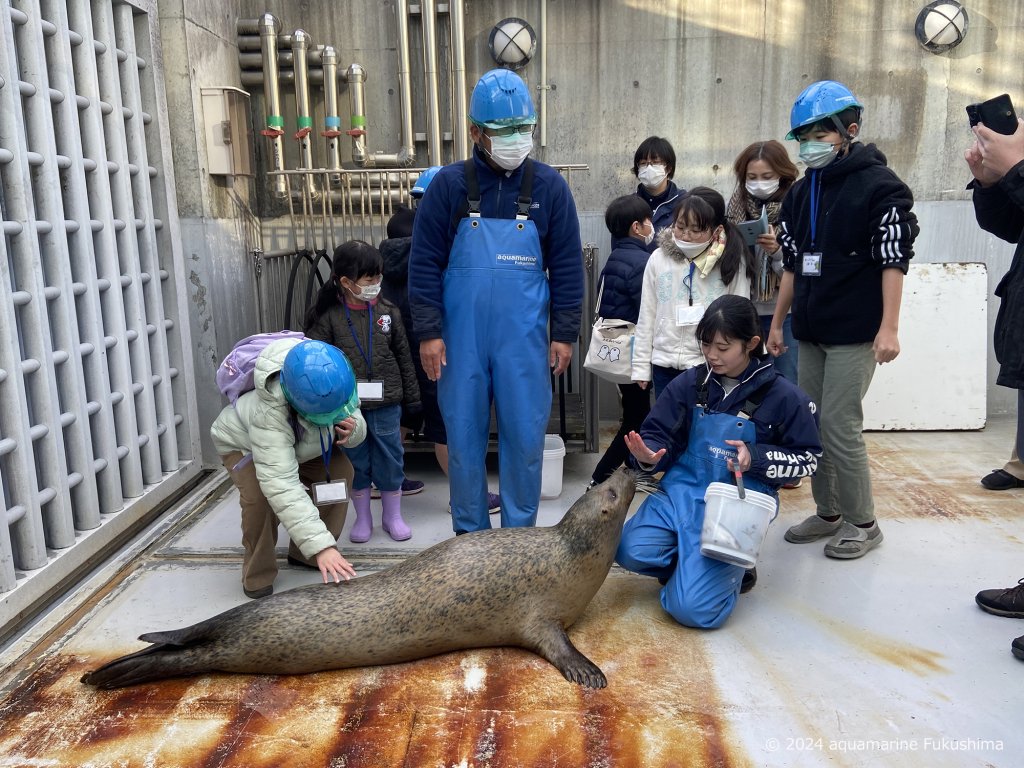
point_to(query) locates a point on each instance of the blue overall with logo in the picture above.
(495, 331)
(663, 538)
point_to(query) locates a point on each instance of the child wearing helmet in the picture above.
(277, 439)
(350, 314)
(847, 233)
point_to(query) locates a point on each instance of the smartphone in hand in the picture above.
(996, 113)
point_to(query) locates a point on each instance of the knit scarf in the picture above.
(705, 262)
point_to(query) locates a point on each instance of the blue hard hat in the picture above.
(424, 181)
(818, 101)
(501, 98)
(318, 381)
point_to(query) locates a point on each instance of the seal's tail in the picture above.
(171, 655)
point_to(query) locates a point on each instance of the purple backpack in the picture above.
(235, 375)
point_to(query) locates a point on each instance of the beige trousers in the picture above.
(259, 523)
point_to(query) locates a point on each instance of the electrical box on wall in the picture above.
(228, 132)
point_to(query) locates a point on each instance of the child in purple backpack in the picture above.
(350, 314)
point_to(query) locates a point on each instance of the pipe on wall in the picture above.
(428, 19)
(332, 121)
(356, 75)
(460, 110)
(303, 113)
(543, 87)
(269, 27)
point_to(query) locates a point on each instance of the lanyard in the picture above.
(326, 451)
(815, 202)
(368, 354)
(689, 282)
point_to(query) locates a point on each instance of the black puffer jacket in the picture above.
(864, 225)
(1000, 210)
(623, 277)
(392, 362)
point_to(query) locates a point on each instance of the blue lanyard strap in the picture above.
(326, 451)
(368, 354)
(688, 282)
(815, 202)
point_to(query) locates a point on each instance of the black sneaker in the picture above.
(1003, 602)
(1001, 480)
(301, 563)
(749, 580)
(256, 594)
(1017, 646)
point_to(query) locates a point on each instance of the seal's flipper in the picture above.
(553, 644)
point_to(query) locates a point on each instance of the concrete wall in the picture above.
(710, 76)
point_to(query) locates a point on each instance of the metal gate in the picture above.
(97, 400)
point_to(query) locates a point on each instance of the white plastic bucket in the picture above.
(734, 528)
(551, 470)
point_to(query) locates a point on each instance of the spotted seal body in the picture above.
(501, 587)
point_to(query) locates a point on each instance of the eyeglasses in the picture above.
(650, 161)
(511, 130)
(683, 229)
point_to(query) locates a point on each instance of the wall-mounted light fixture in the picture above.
(512, 43)
(941, 25)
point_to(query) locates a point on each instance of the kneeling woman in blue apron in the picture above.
(735, 408)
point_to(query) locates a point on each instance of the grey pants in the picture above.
(1015, 466)
(837, 376)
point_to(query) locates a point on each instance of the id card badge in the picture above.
(811, 265)
(327, 494)
(689, 315)
(370, 390)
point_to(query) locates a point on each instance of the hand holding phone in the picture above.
(996, 113)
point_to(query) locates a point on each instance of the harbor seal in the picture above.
(500, 587)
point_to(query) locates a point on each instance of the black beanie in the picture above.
(400, 224)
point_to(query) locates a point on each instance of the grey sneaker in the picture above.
(812, 529)
(852, 542)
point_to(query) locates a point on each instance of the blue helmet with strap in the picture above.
(820, 101)
(319, 383)
(501, 98)
(424, 181)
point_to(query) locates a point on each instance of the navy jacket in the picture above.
(394, 284)
(864, 226)
(786, 422)
(623, 277)
(662, 206)
(553, 212)
(1000, 210)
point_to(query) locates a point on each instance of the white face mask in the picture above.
(691, 250)
(509, 152)
(649, 237)
(651, 176)
(763, 189)
(366, 292)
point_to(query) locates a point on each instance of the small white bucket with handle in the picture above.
(734, 528)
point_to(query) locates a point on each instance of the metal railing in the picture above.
(96, 398)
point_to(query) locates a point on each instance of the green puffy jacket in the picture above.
(258, 424)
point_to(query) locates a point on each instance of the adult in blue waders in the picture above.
(495, 291)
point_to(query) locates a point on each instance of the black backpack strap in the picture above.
(472, 189)
(754, 400)
(525, 191)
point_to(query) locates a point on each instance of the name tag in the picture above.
(370, 390)
(687, 315)
(811, 265)
(326, 494)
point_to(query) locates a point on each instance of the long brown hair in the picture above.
(773, 153)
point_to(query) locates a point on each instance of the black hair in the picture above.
(846, 118)
(704, 208)
(400, 223)
(623, 211)
(354, 259)
(655, 148)
(736, 319)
